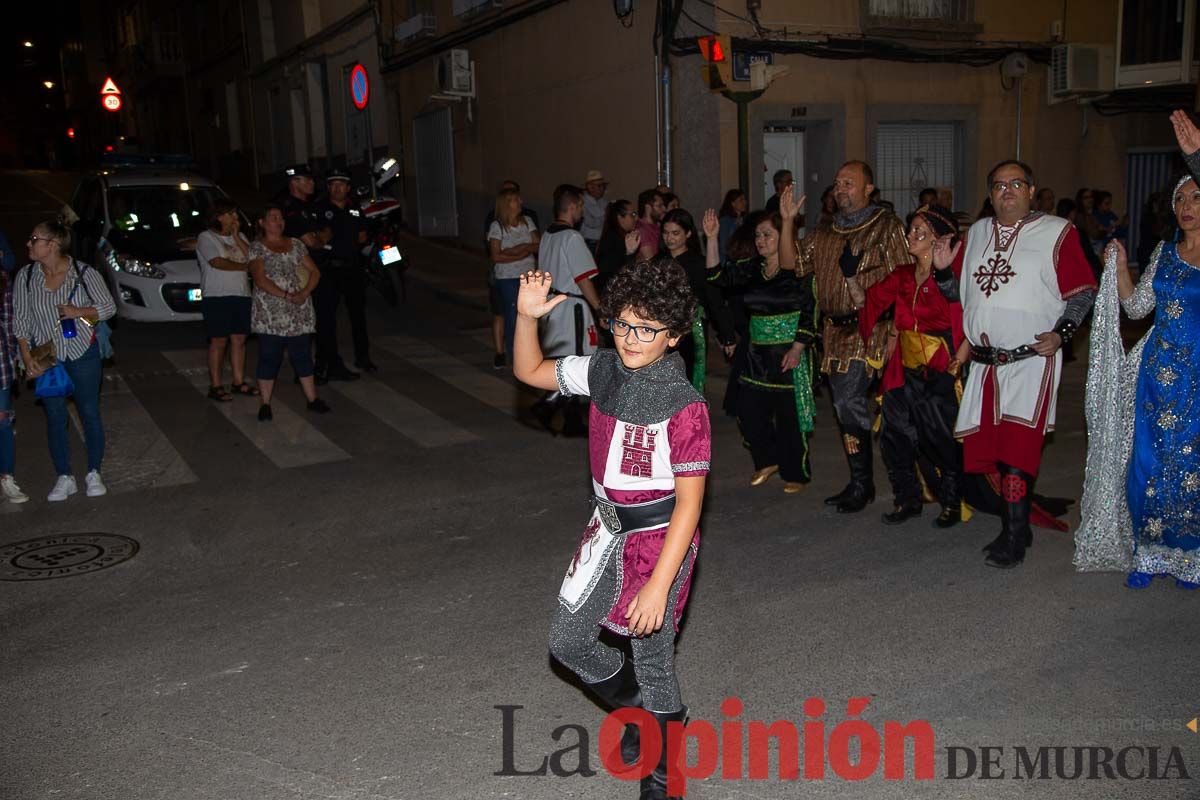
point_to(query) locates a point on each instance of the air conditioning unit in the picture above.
(466, 8)
(415, 27)
(1080, 69)
(456, 74)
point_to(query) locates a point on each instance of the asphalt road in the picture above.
(334, 606)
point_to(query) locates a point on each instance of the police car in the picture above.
(136, 220)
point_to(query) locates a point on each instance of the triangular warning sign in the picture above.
(109, 87)
(1192, 726)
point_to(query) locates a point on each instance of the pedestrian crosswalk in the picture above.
(140, 454)
(289, 441)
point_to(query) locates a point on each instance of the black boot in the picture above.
(654, 785)
(903, 512)
(994, 544)
(862, 477)
(1016, 492)
(622, 691)
(836, 499)
(573, 418)
(951, 497)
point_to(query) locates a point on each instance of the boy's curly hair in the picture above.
(656, 290)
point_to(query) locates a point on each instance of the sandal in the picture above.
(244, 388)
(219, 394)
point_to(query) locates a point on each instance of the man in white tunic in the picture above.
(570, 329)
(1025, 287)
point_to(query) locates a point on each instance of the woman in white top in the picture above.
(223, 252)
(60, 300)
(513, 244)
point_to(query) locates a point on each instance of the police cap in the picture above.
(298, 171)
(337, 174)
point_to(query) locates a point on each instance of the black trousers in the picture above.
(340, 280)
(918, 422)
(768, 421)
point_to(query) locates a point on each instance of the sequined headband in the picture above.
(1179, 186)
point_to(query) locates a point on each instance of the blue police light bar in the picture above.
(161, 160)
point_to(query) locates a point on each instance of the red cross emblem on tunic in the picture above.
(995, 274)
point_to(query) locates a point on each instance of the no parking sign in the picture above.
(360, 87)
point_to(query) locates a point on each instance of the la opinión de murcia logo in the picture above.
(735, 749)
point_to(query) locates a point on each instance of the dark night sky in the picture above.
(24, 115)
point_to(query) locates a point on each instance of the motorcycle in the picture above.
(385, 264)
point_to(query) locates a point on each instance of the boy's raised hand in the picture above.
(533, 299)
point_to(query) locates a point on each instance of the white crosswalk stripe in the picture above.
(467, 378)
(288, 440)
(137, 454)
(406, 417)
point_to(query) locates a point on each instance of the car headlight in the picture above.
(134, 266)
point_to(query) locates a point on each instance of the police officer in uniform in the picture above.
(343, 276)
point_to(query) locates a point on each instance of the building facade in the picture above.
(468, 93)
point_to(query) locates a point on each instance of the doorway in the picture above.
(783, 148)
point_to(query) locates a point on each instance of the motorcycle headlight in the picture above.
(135, 266)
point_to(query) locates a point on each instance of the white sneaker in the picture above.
(10, 490)
(64, 487)
(95, 486)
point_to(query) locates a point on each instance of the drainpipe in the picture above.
(658, 137)
(666, 136)
(1019, 87)
(249, 94)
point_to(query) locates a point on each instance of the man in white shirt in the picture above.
(595, 206)
(570, 329)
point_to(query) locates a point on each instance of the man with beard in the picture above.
(864, 243)
(1025, 287)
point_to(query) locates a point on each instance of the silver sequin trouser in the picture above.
(575, 640)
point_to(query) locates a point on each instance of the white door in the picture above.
(910, 156)
(782, 150)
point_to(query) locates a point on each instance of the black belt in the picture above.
(846, 320)
(998, 356)
(639, 517)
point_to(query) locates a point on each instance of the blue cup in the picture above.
(68, 328)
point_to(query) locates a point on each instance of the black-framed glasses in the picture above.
(33, 239)
(644, 333)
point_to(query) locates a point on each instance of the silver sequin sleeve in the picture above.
(1104, 540)
(1141, 302)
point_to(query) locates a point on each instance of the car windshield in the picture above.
(161, 214)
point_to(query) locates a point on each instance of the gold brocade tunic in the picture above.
(882, 242)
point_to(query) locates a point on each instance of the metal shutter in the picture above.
(912, 155)
(1147, 171)
(437, 199)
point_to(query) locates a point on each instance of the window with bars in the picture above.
(910, 156)
(909, 15)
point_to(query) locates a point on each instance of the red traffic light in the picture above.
(70, 133)
(711, 48)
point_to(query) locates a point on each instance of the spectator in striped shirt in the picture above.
(55, 294)
(8, 376)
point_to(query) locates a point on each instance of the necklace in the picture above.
(774, 272)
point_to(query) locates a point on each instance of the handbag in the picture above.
(43, 356)
(54, 382)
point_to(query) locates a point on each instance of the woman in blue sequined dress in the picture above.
(1141, 506)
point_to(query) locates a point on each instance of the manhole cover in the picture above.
(62, 556)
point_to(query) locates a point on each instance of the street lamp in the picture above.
(27, 43)
(48, 84)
